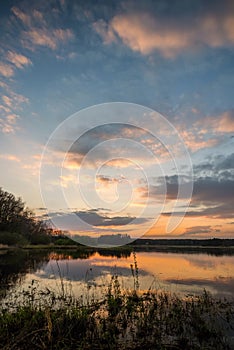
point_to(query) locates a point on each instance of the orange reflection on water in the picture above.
(186, 266)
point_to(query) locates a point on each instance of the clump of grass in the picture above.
(135, 273)
(121, 320)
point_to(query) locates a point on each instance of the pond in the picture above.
(87, 274)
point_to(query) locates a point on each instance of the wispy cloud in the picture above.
(222, 124)
(197, 230)
(14, 100)
(226, 122)
(8, 124)
(6, 70)
(11, 105)
(38, 32)
(10, 157)
(21, 15)
(18, 60)
(46, 37)
(195, 140)
(108, 180)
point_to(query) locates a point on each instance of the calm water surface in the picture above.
(88, 274)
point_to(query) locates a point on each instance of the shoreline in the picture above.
(129, 248)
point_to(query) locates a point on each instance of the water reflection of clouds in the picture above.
(183, 266)
(173, 272)
(220, 286)
(83, 270)
(204, 262)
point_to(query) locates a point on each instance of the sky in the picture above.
(149, 85)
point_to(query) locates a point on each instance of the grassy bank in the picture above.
(121, 320)
(229, 250)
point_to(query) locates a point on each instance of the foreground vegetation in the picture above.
(43, 319)
(121, 320)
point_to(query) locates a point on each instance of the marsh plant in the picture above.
(121, 319)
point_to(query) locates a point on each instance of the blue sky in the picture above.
(58, 57)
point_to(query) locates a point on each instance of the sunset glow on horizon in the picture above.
(106, 103)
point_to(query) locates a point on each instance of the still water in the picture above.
(88, 274)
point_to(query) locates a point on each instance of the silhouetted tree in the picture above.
(16, 218)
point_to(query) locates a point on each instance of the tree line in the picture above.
(18, 224)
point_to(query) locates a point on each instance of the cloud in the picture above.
(146, 30)
(219, 165)
(4, 109)
(95, 219)
(226, 122)
(8, 117)
(7, 101)
(67, 180)
(46, 37)
(212, 197)
(226, 163)
(222, 211)
(14, 100)
(223, 123)
(142, 33)
(115, 145)
(206, 132)
(21, 15)
(6, 70)
(166, 186)
(10, 157)
(197, 230)
(18, 60)
(92, 217)
(106, 180)
(8, 124)
(105, 31)
(38, 30)
(212, 190)
(222, 286)
(195, 140)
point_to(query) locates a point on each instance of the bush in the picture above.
(12, 238)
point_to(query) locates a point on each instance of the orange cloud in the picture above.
(119, 163)
(226, 122)
(146, 33)
(11, 103)
(104, 31)
(220, 124)
(8, 124)
(47, 37)
(5, 109)
(141, 33)
(67, 180)
(6, 70)
(15, 100)
(38, 32)
(21, 15)
(10, 157)
(18, 60)
(12, 118)
(195, 141)
(7, 100)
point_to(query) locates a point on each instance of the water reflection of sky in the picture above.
(180, 273)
